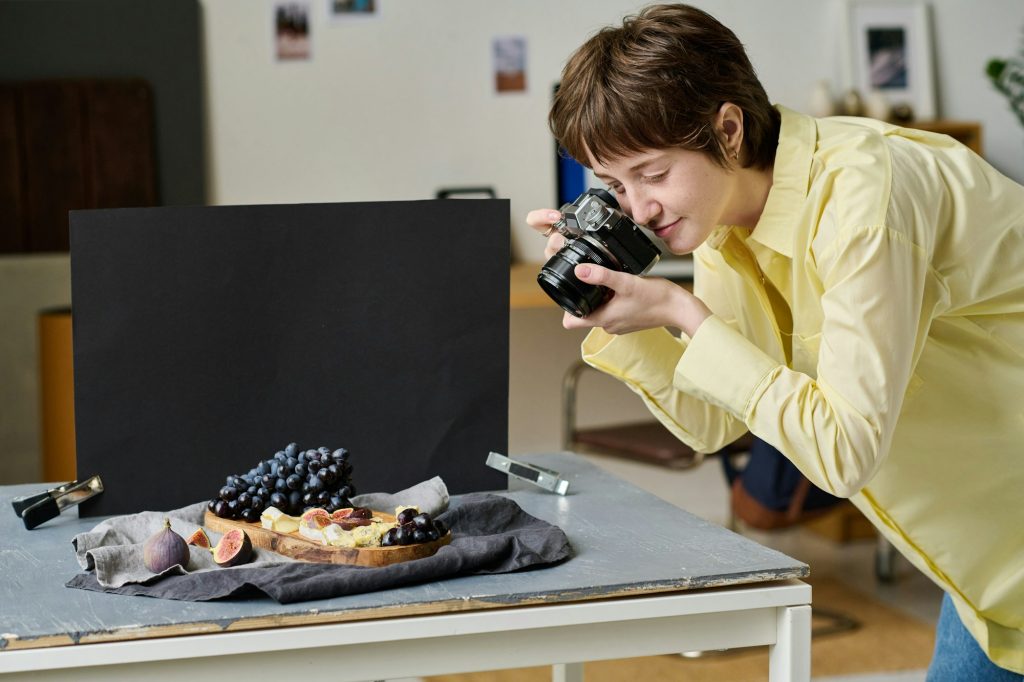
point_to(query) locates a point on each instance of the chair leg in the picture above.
(885, 561)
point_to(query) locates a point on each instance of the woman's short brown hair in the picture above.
(657, 82)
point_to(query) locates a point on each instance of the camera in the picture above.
(595, 231)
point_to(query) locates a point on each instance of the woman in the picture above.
(858, 304)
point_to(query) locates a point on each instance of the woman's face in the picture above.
(681, 195)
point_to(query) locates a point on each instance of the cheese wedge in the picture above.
(273, 518)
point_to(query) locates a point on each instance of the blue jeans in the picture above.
(957, 657)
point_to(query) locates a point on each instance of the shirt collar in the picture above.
(790, 181)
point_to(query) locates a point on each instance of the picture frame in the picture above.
(889, 50)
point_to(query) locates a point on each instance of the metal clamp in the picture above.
(39, 508)
(531, 473)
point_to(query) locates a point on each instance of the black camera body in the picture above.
(595, 231)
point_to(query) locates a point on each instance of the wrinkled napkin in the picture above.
(490, 534)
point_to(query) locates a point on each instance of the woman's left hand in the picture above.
(638, 303)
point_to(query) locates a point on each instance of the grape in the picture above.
(300, 468)
(419, 536)
(279, 500)
(340, 455)
(441, 528)
(422, 521)
(257, 503)
(211, 504)
(295, 500)
(228, 492)
(221, 509)
(327, 476)
(432, 534)
(294, 482)
(249, 515)
(388, 539)
(291, 449)
(244, 499)
(406, 516)
(281, 485)
(279, 455)
(403, 535)
(313, 466)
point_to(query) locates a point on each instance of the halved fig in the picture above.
(234, 548)
(342, 513)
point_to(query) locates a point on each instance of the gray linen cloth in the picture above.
(490, 534)
(113, 549)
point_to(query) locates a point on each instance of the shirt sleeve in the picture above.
(836, 428)
(646, 362)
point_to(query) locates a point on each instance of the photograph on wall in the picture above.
(889, 53)
(510, 64)
(292, 40)
(344, 10)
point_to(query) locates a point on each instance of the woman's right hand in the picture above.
(541, 220)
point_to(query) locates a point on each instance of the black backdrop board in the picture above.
(208, 338)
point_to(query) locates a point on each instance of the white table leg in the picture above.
(567, 672)
(790, 656)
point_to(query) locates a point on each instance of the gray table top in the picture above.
(625, 541)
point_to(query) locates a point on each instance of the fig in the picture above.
(360, 513)
(339, 514)
(164, 549)
(200, 539)
(349, 523)
(234, 548)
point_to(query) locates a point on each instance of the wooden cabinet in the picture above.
(966, 132)
(71, 144)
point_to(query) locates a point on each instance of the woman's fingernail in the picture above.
(583, 271)
(554, 215)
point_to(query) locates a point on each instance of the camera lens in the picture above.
(559, 281)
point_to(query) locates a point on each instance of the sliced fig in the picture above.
(200, 539)
(360, 513)
(164, 549)
(234, 548)
(342, 513)
(350, 523)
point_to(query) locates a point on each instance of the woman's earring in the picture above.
(735, 155)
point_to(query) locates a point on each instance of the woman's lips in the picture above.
(662, 232)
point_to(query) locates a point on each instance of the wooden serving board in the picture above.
(300, 547)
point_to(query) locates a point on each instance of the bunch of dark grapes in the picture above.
(292, 480)
(413, 529)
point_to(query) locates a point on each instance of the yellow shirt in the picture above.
(870, 327)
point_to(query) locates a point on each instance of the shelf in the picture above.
(524, 292)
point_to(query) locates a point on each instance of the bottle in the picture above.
(853, 105)
(877, 106)
(821, 102)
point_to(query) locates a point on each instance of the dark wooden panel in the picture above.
(119, 143)
(13, 232)
(52, 134)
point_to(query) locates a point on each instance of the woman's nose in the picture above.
(643, 210)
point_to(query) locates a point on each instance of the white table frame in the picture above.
(563, 635)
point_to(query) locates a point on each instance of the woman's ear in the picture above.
(729, 124)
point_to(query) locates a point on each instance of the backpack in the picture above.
(770, 492)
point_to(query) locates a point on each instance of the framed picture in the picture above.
(889, 50)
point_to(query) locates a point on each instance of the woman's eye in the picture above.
(650, 179)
